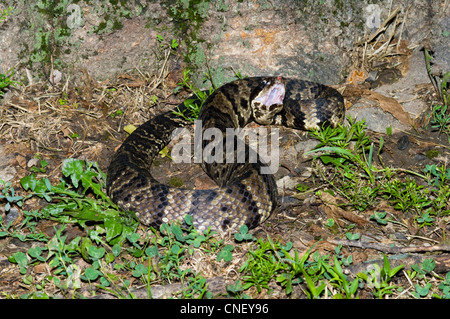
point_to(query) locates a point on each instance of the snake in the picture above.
(244, 195)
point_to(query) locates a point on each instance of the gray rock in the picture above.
(306, 39)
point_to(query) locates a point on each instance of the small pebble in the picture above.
(403, 142)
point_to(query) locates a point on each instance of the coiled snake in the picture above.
(245, 196)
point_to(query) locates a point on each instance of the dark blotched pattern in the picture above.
(245, 196)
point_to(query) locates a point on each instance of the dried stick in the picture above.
(389, 249)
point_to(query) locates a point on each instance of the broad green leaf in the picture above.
(338, 150)
(113, 228)
(178, 232)
(73, 168)
(91, 273)
(152, 251)
(116, 249)
(95, 252)
(28, 182)
(85, 244)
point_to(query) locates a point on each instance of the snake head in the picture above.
(267, 99)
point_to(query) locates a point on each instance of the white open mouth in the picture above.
(274, 96)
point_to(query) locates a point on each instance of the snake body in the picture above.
(245, 196)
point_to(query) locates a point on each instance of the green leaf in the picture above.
(21, 259)
(104, 282)
(423, 291)
(139, 270)
(91, 273)
(338, 150)
(354, 286)
(95, 252)
(28, 182)
(389, 130)
(243, 234)
(225, 253)
(36, 252)
(327, 159)
(428, 264)
(174, 44)
(73, 168)
(379, 218)
(236, 288)
(178, 232)
(386, 265)
(199, 240)
(354, 236)
(152, 251)
(189, 220)
(85, 244)
(116, 249)
(88, 183)
(337, 266)
(109, 257)
(175, 249)
(316, 291)
(133, 238)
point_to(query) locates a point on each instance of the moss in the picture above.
(50, 29)
(47, 24)
(117, 25)
(176, 182)
(114, 12)
(188, 17)
(432, 153)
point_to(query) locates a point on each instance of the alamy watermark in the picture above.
(219, 152)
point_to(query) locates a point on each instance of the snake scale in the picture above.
(245, 196)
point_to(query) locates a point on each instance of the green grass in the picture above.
(6, 79)
(345, 160)
(440, 117)
(194, 104)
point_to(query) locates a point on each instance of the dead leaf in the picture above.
(318, 231)
(40, 268)
(104, 108)
(353, 91)
(21, 160)
(336, 212)
(130, 128)
(204, 182)
(87, 86)
(357, 76)
(423, 144)
(333, 211)
(132, 81)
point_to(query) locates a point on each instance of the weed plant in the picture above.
(440, 117)
(345, 161)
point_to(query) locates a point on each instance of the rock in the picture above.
(404, 91)
(288, 183)
(305, 39)
(7, 173)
